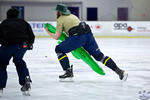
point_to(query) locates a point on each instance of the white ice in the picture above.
(132, 55)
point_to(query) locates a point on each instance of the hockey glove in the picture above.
(30, 46)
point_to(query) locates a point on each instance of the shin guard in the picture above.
(107, 61)
(62, 57)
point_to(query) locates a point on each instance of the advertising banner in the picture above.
(131, 27)
(96, 27)
(103, 28)
(38, 27)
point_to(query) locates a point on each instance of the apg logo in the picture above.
(122, 26)
(144, 95)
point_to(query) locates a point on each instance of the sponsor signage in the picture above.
(107, 28)
(38, 27)
(96, 27)
(122, 27)
(131, 27)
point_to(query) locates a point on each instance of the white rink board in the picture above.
(103, 28)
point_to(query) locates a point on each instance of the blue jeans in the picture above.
(17, 52)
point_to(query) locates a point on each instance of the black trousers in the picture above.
(17, 52)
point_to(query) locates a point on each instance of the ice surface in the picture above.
(132, 55)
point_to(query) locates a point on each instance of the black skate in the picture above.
(1, 92)
(26, 87)
(68, 75)
(122, 75)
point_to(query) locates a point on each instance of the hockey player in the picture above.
(16, 37)
(79, 35)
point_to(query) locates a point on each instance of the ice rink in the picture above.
(132, 55)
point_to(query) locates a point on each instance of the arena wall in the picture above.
(41, 10)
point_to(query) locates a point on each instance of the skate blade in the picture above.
(125, 77)
(66, 80)
(26, 93)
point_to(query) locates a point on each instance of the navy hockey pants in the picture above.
(86, 41)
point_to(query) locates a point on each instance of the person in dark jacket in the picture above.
(16, 37)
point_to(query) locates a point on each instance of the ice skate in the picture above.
(25, 89)
(67, 76)
(122, 75)
(1, 92)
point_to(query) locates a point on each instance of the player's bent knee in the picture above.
(99, 56)
(57, 49)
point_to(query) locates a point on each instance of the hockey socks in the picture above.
(62, 57)
(107, 61)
